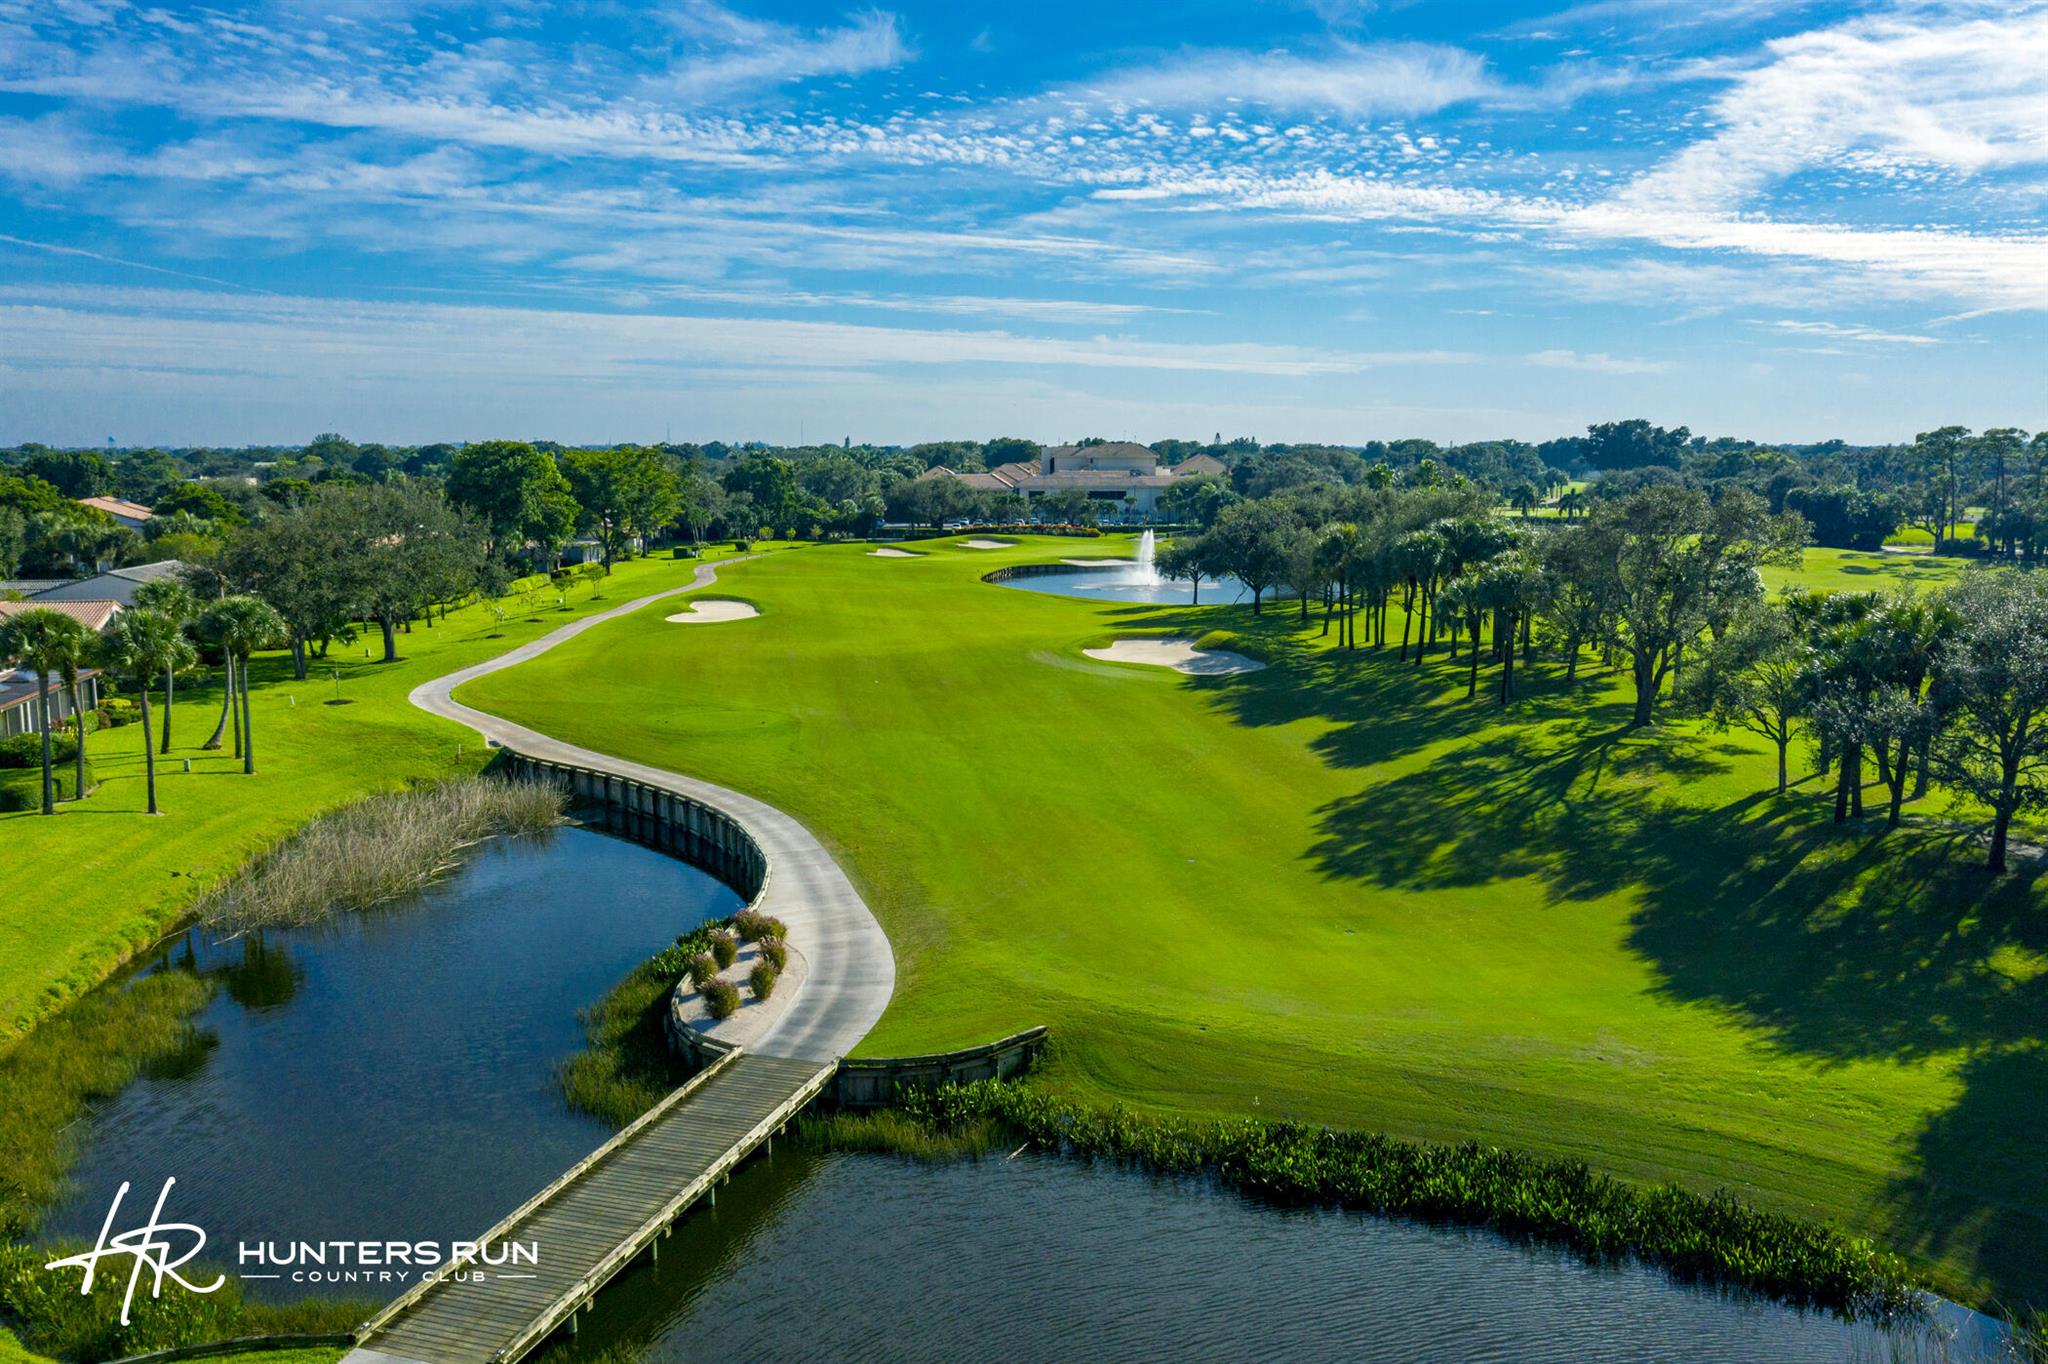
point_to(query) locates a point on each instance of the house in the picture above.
(131, 515)
(1122, 473)
(115, 585)
(20, 712)
(95, 615)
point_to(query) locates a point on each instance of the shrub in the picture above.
(21, 791)
(117, 711)
(725, 949)
(702, 969)
(740, 546)
(26, 750)
(721, 998)
(775, 952)
(761, 980)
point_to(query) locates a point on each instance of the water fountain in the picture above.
(1146, 574)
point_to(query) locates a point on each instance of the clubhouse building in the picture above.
(1122, 473)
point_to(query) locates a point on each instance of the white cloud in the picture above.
(413, 343)
(1919, 86)
(1362, 81)
(1840, 332)
(1597, 362)
(736, 52)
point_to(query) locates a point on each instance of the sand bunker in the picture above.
(1179, 654)
(886, 552)
(711, 612)
(988, 544)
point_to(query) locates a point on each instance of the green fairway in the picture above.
(1337, 890)
(80, 891)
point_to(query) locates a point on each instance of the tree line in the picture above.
(1664, 583)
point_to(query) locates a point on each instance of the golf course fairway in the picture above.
(1337, 890)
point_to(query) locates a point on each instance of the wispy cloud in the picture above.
(1360, 80)
(733, 52)
(1597, 362)
(1839, 332)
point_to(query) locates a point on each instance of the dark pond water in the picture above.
(389, 1075)
(866, 1257)
(1133, 586)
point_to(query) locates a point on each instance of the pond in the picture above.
(1132, 585)
(389, 1075)
(1039, 1258)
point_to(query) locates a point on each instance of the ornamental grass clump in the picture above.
(724, 948)
(761, 980)
(721, 999)
(775, 952)
(753, 926)
(702, 969)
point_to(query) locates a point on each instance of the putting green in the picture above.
(1334, 889)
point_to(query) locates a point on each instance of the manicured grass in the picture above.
(81, 891)
(1336, 891)
(1859, 570)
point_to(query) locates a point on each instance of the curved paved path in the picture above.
(852, 970)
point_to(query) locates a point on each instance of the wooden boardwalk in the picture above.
(593, 1221)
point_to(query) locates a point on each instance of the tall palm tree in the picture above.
(48, 642)
(171, 598)
(142, 645)
(242, 625)
(83, 645)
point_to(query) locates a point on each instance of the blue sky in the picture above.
(1323, 220)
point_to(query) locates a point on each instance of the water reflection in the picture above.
(390, 1076)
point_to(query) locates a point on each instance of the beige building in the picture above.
(1123, 474)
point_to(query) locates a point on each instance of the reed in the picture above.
(86, 1054)
(380, 849)
(625, 1067)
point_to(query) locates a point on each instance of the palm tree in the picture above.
(171, 598)
(140, 645)
(47, 642)
(242, 625)
(83, 642)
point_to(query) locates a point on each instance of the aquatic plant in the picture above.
(1712, 1238)
(626, 1066)
(87, 1053)
(384, 848)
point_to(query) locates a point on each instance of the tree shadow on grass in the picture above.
(1841, 943)
(1379, 708)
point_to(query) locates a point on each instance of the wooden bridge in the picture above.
(597, 1218)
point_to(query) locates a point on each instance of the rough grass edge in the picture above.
(1706, 1238)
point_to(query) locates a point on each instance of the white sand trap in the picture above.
(1179, 654)
(711, 612)
(988, 544)
(886, 552)
(1100, 563)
